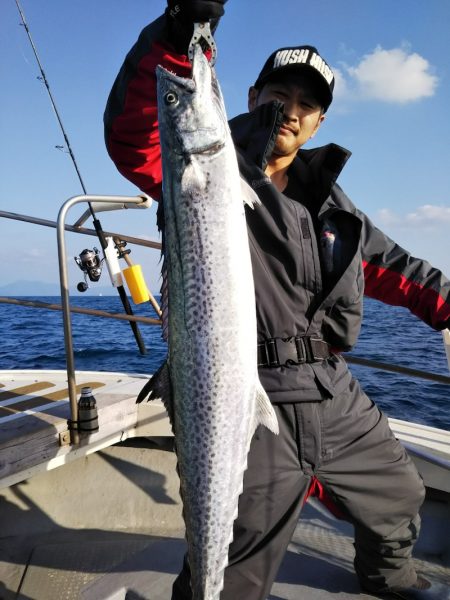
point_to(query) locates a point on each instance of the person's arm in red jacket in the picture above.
(130, 119)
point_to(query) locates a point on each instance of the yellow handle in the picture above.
(136, 284)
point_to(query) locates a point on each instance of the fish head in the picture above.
(191, 113)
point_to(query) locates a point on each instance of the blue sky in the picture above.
(392, 61)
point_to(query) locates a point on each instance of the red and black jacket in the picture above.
(293, 295)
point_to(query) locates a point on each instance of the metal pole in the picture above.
(65, 299)
(365, 362)
(446, 338)
(83, 311)
(75, 229)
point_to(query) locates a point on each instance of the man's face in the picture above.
(302, 111)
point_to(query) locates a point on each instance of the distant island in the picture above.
(40, 288)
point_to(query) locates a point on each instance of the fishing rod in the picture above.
(89, 263)
(43, 78)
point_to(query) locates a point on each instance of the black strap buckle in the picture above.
(287, 351)
(276, 352)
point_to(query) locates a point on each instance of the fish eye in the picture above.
(171, 98)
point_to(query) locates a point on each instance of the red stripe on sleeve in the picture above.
(133, 143)
(394, 288)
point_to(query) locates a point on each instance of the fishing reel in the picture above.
(91, 264)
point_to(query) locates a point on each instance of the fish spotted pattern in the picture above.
(210, 383)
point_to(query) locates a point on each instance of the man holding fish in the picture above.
(313, 256)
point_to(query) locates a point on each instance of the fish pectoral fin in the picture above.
(265, 413)
(159, 386)
(249, 195)
(193, 178)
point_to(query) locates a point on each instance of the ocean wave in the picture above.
(34, 340)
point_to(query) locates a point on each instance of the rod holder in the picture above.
(65, 298)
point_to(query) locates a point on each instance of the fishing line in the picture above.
(98, 228)
(43, 78)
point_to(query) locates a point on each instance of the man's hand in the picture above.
(182, 14)
(196, 11)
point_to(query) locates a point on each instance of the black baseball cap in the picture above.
(304, 58)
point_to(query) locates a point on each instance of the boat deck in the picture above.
(34, 413)
(109, 526)
(317, 566)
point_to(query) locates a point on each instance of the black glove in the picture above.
(259, 130)
(196, 11)
(182, 14)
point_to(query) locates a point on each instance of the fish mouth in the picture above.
(162, 72)
(211, 148)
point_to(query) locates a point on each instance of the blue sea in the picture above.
(33, 339)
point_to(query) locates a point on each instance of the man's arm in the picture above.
(130, 119)
(395, 277)
(131, 115)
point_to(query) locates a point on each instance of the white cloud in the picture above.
(341, 89)
(426, 216)
(387, 217)
(34, 254)
(429, 215)
(397, 76)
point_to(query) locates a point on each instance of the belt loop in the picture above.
(272, 354)
(263, 359)
(308, 350)
(301, 349)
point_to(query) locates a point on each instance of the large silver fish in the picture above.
(216, 400)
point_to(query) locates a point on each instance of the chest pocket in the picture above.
(339, 241)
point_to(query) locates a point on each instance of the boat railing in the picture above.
(84, 230)
(108, 203)
(118, 203)
(428, 456)
(96, 204)
(111, 201)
